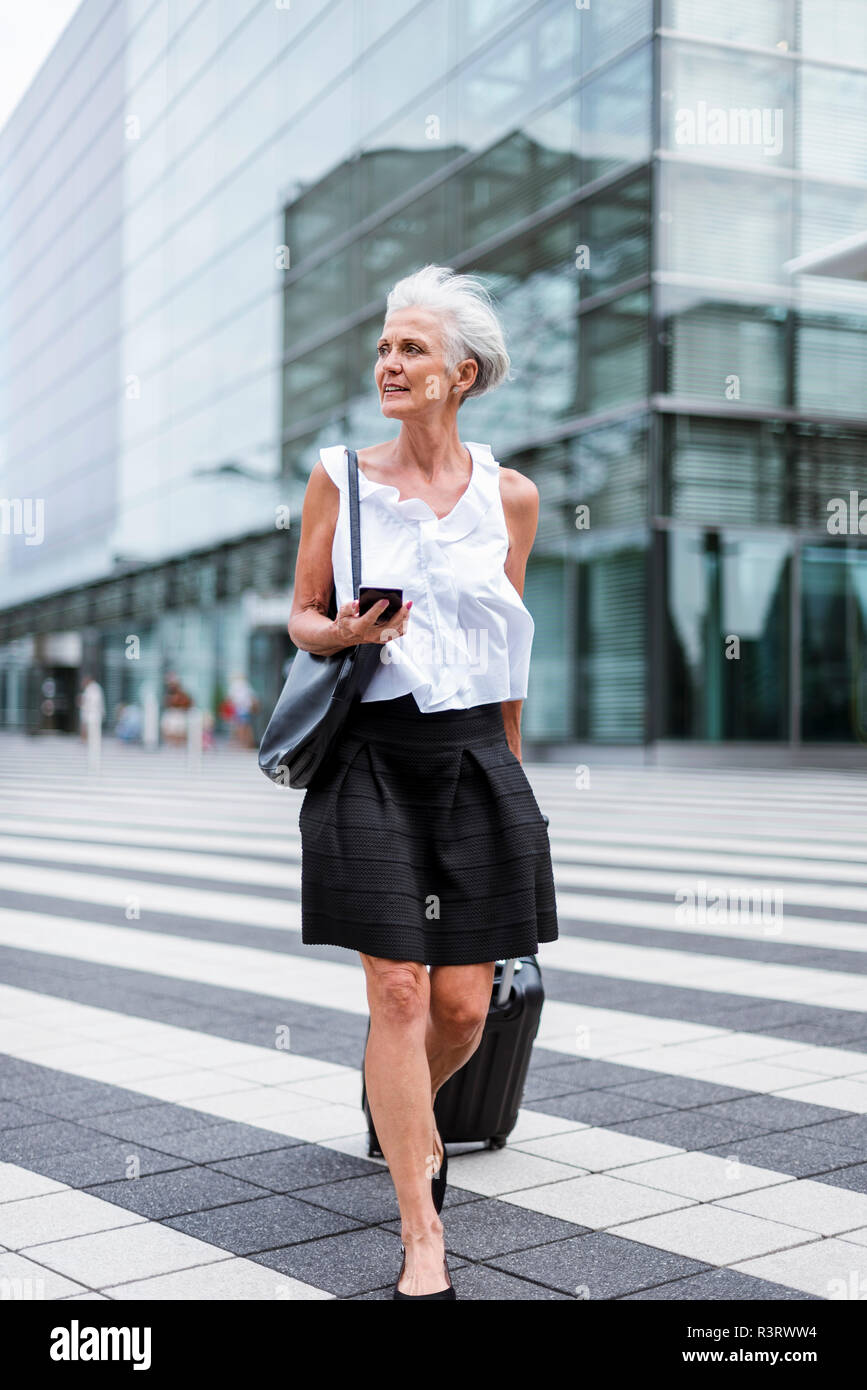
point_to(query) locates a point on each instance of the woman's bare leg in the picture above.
(413, 1017)
(397, 1078)
(459, 1000)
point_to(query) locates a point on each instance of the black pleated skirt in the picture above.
(422, 840)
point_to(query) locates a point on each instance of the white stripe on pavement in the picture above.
(128, 946)
(577, 1030)
(206, 903)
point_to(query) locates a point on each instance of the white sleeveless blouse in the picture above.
(469, 635)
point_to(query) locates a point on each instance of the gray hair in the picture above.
(470, 325)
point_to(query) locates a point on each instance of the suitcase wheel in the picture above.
(497, 1141)
(373, 1151)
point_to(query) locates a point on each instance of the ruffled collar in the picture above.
(467, 512)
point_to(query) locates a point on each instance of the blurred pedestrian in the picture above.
(128, 723)
(243, 701)
(91, 704)
(176, 703)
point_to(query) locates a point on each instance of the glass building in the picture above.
(203, 207)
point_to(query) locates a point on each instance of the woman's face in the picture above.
(410, 372)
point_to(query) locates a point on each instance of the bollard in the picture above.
(195, 725)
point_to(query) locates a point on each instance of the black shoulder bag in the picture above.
(319, 690)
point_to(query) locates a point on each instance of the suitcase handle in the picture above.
(506, 982)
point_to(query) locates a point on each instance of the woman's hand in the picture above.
(351, 630)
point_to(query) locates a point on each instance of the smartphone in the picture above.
(369, 595)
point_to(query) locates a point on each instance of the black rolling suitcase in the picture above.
(481, 1101)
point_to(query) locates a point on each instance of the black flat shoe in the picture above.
(417, 1297)
(438, 1183)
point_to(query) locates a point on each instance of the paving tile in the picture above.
(173, 1194)
(386, 1291)
(565, 1077)
(596, 1200)
(219, 1141)
(854, 1178)
(486, 1285)
(592, 1072)
(830, 1269)
(545, 1085)
(34, 1141)
(713, 1234)
(596, 1150)
(813, 1206)
(83, 1104)
(597, 1266)
(850, 1131)
(479, 1282)
(302, 1166)
(491, 1172)
(680, 1092)
(256, 1104)
(25, 1279)
(108, 1161)
(131, 1252)
(535, 1124)
(15, 1116)
(769, 1113)
(197, 1085)
(701, 1176)
(793, 1153)
(844, 1093)
(340, 1089)
(322, 1122)
(726, 1285)
(689, 1129)
(477, 1230)
(146, 1124)
(357, 1262)
(746, 1047)
(599, 1107)
(764, 1077)
(57, 1216)
(16, 1183)
(370, 1199)
(283, 1067)
(263, 1224)
(230, 1280)
(830, 1061)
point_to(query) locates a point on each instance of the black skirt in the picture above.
(422, 840)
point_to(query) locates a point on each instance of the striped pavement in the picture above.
(179, 1076)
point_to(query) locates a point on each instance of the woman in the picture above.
(422, 842)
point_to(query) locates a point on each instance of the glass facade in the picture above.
(207, 204)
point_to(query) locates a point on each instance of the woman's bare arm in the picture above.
(310, 627)
(521, 509)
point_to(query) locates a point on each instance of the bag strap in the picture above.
(354, 520)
